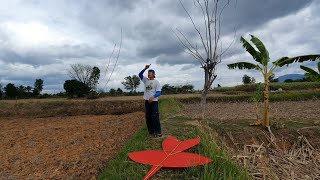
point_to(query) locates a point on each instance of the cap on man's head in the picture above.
(152, 71)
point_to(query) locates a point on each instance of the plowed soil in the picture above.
(74, 147)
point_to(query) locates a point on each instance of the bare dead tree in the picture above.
(86, 74)
(110, 60)
(80, 72)
(211, 50)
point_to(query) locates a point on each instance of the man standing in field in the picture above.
(152, 91)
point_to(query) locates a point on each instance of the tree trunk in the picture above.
(204, 93)
(209, 77)
(203, 102)
(266, 122)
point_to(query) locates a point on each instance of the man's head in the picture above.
(151, 74)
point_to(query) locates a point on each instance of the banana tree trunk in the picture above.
(257, 112)
(266, 121)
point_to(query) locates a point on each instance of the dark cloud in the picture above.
(120, 5)
(51, 54)
(99, 15)
(177, 59)
(156, 39)
(187, 67)
(250, 14)
(10, 56)
(243, 14)
(159, 48)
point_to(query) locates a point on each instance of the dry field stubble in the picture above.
(244, 110)
(61, 108)
(72, 147)
(294, 151)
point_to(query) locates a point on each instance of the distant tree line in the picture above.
(307, 78)
(168, 89)
(11, 91)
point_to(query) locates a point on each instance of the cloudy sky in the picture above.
(42, 38)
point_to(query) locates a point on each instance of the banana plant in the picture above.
(312, 73)
(262, 63)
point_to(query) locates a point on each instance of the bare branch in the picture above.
(80, 72)
(205, 25)
(188, 50)
(194, 26)
(190, 46)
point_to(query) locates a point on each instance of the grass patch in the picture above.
(294, 96)
(297, 124)
(168, 107)
(231, 125)
(221, 168)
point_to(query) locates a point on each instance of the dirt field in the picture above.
(62, 147)
(42, 145)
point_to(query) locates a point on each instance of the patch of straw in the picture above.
(269, 161)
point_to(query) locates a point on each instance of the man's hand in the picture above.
(147, 66)
(151, 99)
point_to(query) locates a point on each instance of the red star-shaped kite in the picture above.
(171, 156)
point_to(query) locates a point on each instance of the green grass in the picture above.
(294, 96)
(168, 106)
(221, 168)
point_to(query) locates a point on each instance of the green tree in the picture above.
(112, 92)
(75, 88)
(312, 74)
(1, 92)
(246, 79)
(10, 90)
(38, 86)
(308, 78)
(261, 56)
(188, 88)
(131, 83)
(119, 91)
(21, 91)
(288, 81)
(94, 78)
(167, 89)
(29, 90)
